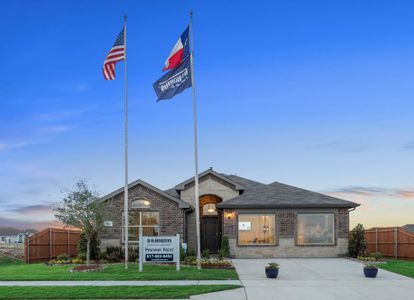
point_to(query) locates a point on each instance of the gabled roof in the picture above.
(279, 195)
(237, 186)
(181, 203)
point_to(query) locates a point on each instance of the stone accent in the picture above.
(171, 217)
(287, 248)
(209, 185)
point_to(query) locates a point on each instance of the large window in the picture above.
(256, 229)
(315, 229)
(150, 224)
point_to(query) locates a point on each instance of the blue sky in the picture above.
(314, 94)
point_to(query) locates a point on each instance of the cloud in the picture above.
(54, 129)
(8, 146)
(33, 209)
(409, 145)
(39, 225)
(370, 191)
(60, 115)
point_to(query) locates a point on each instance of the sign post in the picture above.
(159, 249)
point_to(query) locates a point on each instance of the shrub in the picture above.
(191, 253)
(77, 261)
(182, 254)
(114, 254)
(63, 257)
(190, 260)
(133, 254)
(81, 256)
(357, 244)
(377, 256)
(206, 254)
(95, 242)
(224, 251)
(273, 266)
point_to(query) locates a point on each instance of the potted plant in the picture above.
(272, 270)
(370, 270)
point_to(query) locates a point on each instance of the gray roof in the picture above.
(279, 195)
(237, 186)
(409, 227)
(181, 203)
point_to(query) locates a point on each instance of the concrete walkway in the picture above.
(118, 283)
(328, 278)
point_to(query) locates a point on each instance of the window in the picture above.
(150, 224)
(316, 229)
(209, 209)
(256, 229)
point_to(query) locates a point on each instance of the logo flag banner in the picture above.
(175, 81)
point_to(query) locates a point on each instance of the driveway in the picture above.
(325, 278)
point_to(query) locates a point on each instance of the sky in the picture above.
(316, 94)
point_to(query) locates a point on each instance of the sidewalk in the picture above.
(119, 283)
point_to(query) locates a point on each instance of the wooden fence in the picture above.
(390, 241)
(49, 243)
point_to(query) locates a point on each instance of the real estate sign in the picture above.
(160, 249)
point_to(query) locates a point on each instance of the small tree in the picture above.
(357, 244)
(79, 208)
(94, 245)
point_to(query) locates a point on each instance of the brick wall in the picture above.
(171, 217)
(286, 235)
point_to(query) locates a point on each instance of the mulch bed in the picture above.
(90, 268)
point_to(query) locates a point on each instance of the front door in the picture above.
(210, 233)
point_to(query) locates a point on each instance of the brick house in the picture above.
(260, 220)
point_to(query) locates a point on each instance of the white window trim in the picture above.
(317, 244)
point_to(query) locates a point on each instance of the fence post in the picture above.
(69, 243)
(28, 250)
(396, 242)
(50, 243)
(376, 239)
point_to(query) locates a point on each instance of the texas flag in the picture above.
(180, 51)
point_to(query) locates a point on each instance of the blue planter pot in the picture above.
(272, 273)
(370, 272)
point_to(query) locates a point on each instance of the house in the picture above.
(409, 227)
(10, 235)
(260, 220)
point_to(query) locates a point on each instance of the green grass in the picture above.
(402, 267)
(7, 261)
(107, 292)
(112, 272)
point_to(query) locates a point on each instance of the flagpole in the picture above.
(196, 190)
(126, 222)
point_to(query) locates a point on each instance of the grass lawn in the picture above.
(41, 271)
(399, 266)
(7, 261)
(106, 292)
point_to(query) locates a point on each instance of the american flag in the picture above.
(117, 53)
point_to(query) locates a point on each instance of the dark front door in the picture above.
(210, 234)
